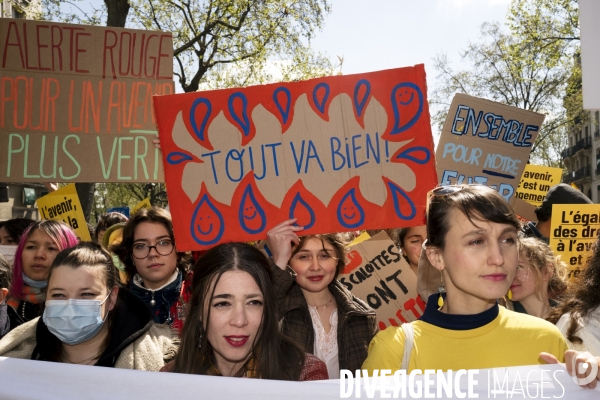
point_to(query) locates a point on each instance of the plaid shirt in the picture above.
(357, 322)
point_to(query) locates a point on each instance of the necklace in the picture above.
(85, 362)
(324, 305)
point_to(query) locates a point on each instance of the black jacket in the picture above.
(131, 319)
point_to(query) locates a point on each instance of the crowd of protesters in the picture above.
(131, 299)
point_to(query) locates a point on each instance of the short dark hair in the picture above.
(476, 202)
(15, 227)
(108, 220)
(5, 273)
(125, 249)
(275, 356)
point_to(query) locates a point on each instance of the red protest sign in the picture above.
(339, 153)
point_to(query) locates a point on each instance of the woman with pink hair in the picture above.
(38, 247)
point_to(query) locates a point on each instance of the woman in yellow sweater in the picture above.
(472, 244)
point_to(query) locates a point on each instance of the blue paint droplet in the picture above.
(360, 104)
(242, 121)
(200, 132)
(200, 234)
(249, 199)
(420, 155)
(178, 157)
(285, 111)
(398, 128)
(400, 195)
(321, 104)
(298, 200)
(347, 213)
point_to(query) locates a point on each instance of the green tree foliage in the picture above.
(233, 43)
(217, 44)
(527, 63)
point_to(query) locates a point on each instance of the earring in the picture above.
(441, 290)
(509, 294)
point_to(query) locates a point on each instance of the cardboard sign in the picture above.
(574, 231)
(536, 181)
(339, 153)
(485, 142)
(63, 205)
(377, 273)
(142, 204)
(64, 87)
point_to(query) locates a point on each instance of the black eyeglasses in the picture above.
(163, 247)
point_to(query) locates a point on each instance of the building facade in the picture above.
(582, 157)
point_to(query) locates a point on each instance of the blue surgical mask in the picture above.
(74, 321)
(33, 283)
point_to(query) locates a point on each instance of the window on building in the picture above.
(17, 13)
(587, 131)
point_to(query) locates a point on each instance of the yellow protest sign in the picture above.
(63, 205)
(536, 181)
(142, 204)
(574, 230)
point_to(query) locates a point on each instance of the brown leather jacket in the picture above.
(357, 323)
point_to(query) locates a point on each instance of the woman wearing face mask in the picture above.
(10, 235)
(232, 327)
(38, 247)
(315, 309)
(472, 245)
(540, 277)
(157, 270)
(88, 320)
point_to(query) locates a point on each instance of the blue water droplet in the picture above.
(420, 155)
(285, 111)
(359, 104)
(398, 194)
(321, 104)
(350, 214)
(200, 132)
(298, 200)
(178, 157)
(202, 235)
(242, 121)
(401, 128)
(249, 199)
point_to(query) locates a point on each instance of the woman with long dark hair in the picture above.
(232, 328)
(578, 315)
(87, 320)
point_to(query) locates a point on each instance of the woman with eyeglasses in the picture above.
(315, 309)
(539, 280)
(473, 247)
(158, 272)
(87, 320)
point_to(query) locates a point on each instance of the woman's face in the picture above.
(236, 312)
(38, 254)
(411, 245)
(314, 265)
(155, 268)
(479, 260)
(6, 239)
(524, 284)
(86, 283)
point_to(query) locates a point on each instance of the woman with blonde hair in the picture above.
(540, 278)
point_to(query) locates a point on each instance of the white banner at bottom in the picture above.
(25, 379)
